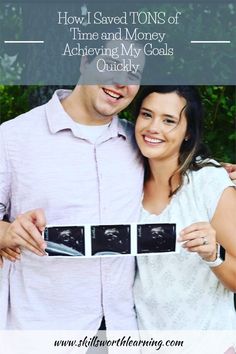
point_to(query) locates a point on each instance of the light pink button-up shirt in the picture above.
(45, 162)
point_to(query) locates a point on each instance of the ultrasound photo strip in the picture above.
(110, 240)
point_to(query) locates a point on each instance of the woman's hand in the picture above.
(201, 238)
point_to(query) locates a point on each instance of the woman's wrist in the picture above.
(216, 260)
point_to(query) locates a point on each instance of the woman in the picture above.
(192, 289)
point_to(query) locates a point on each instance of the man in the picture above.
(70, 161)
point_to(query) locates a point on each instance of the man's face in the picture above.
(114, 91)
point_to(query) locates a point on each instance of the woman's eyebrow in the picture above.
(170, 116)
(146, 109)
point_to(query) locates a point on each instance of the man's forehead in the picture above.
(118, 61)
(121, 43)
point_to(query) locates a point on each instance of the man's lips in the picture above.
(152, 140)
(113, 94)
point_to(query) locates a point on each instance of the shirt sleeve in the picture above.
(4, 178)
(212, 183)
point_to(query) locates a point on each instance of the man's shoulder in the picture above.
(25, 121)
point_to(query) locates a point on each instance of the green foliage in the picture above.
(219, 103)
(14, 100)
(220, 121)
(11, 27)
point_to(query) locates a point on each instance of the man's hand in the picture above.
(11, 254)
(231, 169)
(24, 232)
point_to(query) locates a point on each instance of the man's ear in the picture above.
(83, 64)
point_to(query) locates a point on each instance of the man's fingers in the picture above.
(12, 253)
(20, 237)
(37, 216)
(32, 248)
(232, 175)
(1, 262)
(30, 232)
(8, 256)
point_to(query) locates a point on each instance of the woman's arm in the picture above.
(202, 237)
(224, 222)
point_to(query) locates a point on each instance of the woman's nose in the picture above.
(154, 126)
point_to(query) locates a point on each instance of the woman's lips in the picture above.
(152, 141)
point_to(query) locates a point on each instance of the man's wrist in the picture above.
(4, 225)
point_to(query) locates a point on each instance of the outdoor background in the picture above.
(219, 104)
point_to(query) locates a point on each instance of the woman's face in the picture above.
(160, 130)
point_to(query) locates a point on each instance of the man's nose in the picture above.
(119, 79)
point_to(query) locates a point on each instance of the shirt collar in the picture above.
(59, 120)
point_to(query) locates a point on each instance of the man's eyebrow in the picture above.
(107, 57)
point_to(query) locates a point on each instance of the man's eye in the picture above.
(134, 77)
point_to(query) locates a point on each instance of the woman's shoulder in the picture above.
(209, 180)
(210, 171)
(208, 183)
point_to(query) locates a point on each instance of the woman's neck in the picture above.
(157, 188)
(161, 171)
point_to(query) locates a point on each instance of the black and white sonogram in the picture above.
(65, 240)
(110, 239)
(155, 238)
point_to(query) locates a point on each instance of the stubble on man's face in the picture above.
(100, 103)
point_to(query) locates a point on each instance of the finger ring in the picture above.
(205, 241)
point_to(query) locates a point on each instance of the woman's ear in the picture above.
(187, 137)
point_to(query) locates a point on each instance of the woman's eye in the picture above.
(170, 121)
(146, 114)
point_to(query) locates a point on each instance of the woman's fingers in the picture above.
(201, 238)
(192, 228)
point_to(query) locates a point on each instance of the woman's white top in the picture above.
(179, 291)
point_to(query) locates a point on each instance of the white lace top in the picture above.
(179, 291)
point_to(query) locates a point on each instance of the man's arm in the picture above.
(24, 231)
